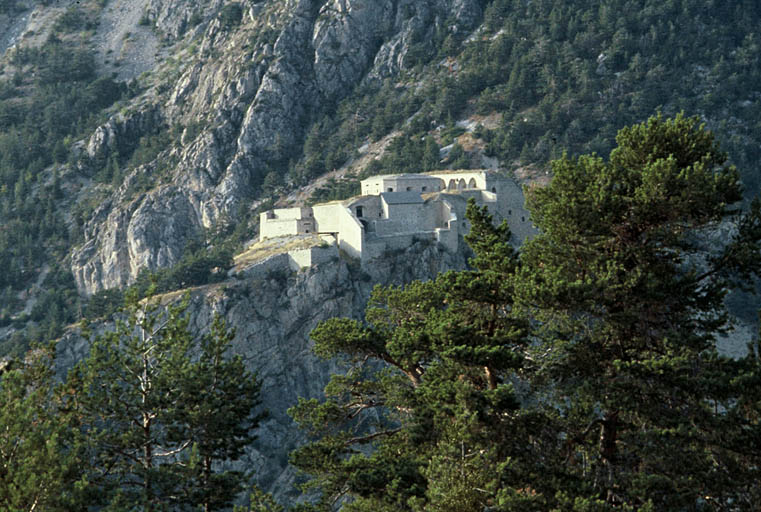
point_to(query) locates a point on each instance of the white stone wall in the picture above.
(285, 221)
(389, 225)
(401, 183)
(462, 180)
(337, 218)
(271, 228)
(511, 206)
(303, 258)
(371, 207)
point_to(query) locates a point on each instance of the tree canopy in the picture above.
(582, 374)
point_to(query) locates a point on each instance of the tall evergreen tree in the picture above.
(218, 396)
(161, 420)
(622, 400)
(628, 278)
(40, 457)
(426, 411)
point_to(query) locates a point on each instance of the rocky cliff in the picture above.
(243, 83)
(273, 310)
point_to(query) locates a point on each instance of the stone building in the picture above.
(394, 210)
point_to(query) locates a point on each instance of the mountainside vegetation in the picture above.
(582, 374)
(141, 139)
(145, 422)
(532, 80)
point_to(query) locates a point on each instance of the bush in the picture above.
(231, 15)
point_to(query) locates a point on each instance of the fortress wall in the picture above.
(478, 176)
(401, 183)
(271, 228)
(285, 221)
(289, 213)
(416, 183)
(372, 186)
(414, 217)
(337, 218)
(447, 216)
(511, 206)
(312, 256)
(448, 238)
(371, 207)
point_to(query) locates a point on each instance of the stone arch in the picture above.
(461, 185)
(452, 184)
(472, 183)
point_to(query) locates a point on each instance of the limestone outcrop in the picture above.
(273, 312)
(241, 94)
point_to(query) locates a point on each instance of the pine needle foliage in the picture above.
(581, 374)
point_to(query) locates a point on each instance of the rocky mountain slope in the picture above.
(273, 310)
(252, 89)
(197, 115)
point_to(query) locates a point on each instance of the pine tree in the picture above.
(40, 457)
(628, 285)
(161, 420)
(218, 396)
(425, 414)
(621, 399)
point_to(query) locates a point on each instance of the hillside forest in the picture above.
(583, 371)
(560, 76)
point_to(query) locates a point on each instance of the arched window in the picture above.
(425, 188)
(494, 189)
(461, 185)
(409, 188)
(472, 183)
(452, 184)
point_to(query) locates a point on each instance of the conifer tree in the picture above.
(160, 419)
(627, 278)
(620, 401)
(40, 456)
(426, 411)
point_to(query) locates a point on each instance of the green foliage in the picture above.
(620, 401)
(231, 15)
(72, 20)
(333, 189)
(630, 315)
(160, 422)
(40, 456)
(426, 392)
(55, 95)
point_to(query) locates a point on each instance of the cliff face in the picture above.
(251, 80)
(273, 311)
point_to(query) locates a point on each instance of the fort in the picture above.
(395, 210)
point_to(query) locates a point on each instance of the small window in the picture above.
(380, 214)
(523, 219)
(509, 212)
(307, 231)
(425, 188)
(494, 189)
(390, 189)
(360, 211)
